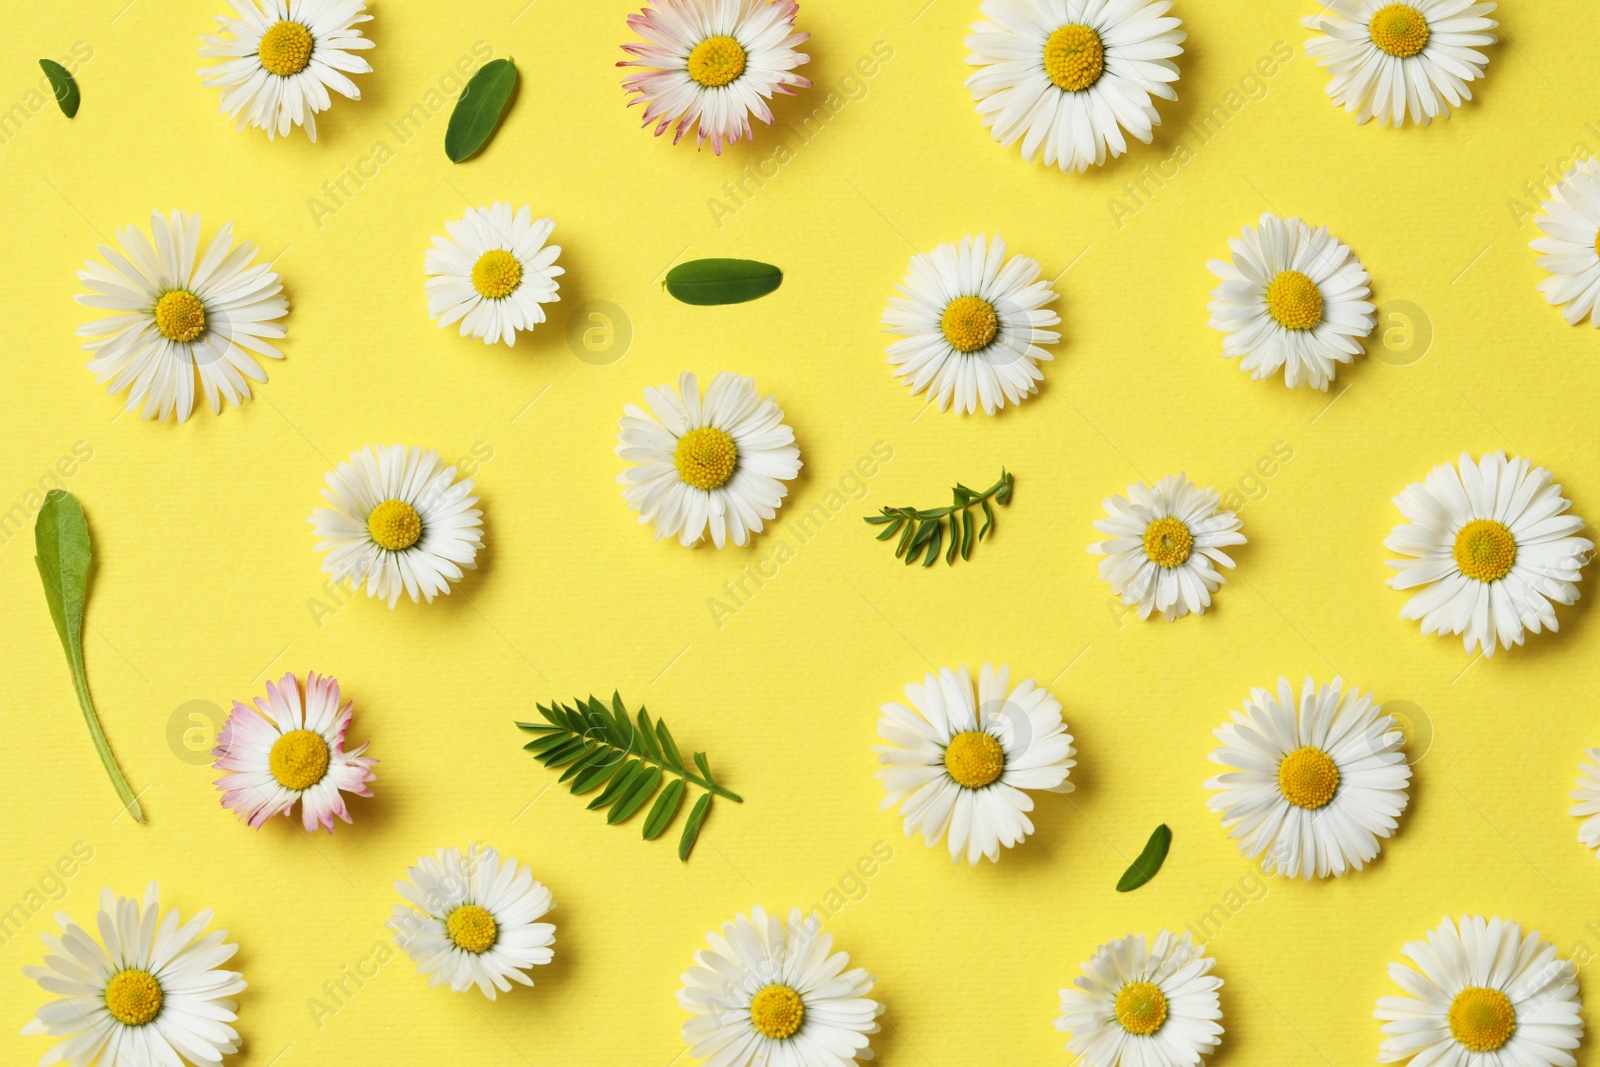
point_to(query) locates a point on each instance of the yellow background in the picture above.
(206, 583)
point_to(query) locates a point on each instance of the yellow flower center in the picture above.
(1168, 543)
(1294, 301)
(133, 998)
(716, 61)
(1482, 1019)
(285, 48)
(1308, 778)
(1399, 30)
(1597, 242)
(395, 525)
(706, 457)
(1074, 58)
(497, 274)
(299, 759)
(1485, 550)
(180, 316)
(974, 759)
(1141, 1008)
(777, 1012)
(472, 928)
(969, 323)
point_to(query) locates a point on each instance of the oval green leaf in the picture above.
(61, 81)
(691, 829)
(664, 810)
(706, 282)
(1149, 862)
(477, 113)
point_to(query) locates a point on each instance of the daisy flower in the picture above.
(1587, 795)
(715, 63)
(280, 58)
(770, 992)
(1492, 545)
(1314, 790)
(1164, 545)
(398, 520)
(1073, 75)
(716, 464)
(1482, 993)
(292, 750)
(1570, 222)
(150, 995)
(493, 272)
(470, 920)
(1138, 1004)
(958, 769)
(177, 314)
(1388, 59)
(1291, 298)
(973, 323)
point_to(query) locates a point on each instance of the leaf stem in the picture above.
(708, 786)
(80, 684)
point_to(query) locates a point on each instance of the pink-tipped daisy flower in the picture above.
(715, 63)
(289, 748)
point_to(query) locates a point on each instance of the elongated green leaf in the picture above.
(664, 810)
(669, 747)
(1149, 862)
(478, 110)
(624, 777)
(63, 555)
(705, 766)
(691, 828)
(63, 85)
(595, 774)
(565, 752)
(638, 791)
(595, 754)
(893, 529)
(705, 282)
(646, 735)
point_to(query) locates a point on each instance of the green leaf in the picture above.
(691, 828)
(61, 541)
(891, 530)
(594, 775)
(933, 544)
(625, 775)
(633, 797)
(1149, 862)
(66, 89)
(585, 761)
(478, 110)
(669, 747)
(647, 737)
(706, 282)
(664, 810)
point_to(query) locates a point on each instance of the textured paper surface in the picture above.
(206, 583)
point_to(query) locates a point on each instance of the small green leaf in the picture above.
(664, 810)
(65, 87)
(705, 767)
(669, 747)
(629, 770)
(890, 531)
(478, 111)
(63, 555)
(585, 761)
(1149, 862)
(594, 775)
(633, 797)
(691, 828)
(933, 544)
(706, 282)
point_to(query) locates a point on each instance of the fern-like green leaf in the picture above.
(925, 532)
(632, 755)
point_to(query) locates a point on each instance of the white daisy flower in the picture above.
(716, 465)
(178, 313)
(1292, 298)
(493, 272)
(1139, 1005)
(972, 323)
(1313, 790)
(1390, 59)
(150, 995)
(398, 520)
(280, 58)
(1570, 222)
(770, 992)
(958, 770)
(1492, 545)
(1587, 795)
(288, 749)
(472, 920)
(1482, 993)
(1165, 543)
(713, 63)
(1073, 75)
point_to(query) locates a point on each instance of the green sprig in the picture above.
(631, 756)
(924, 532)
